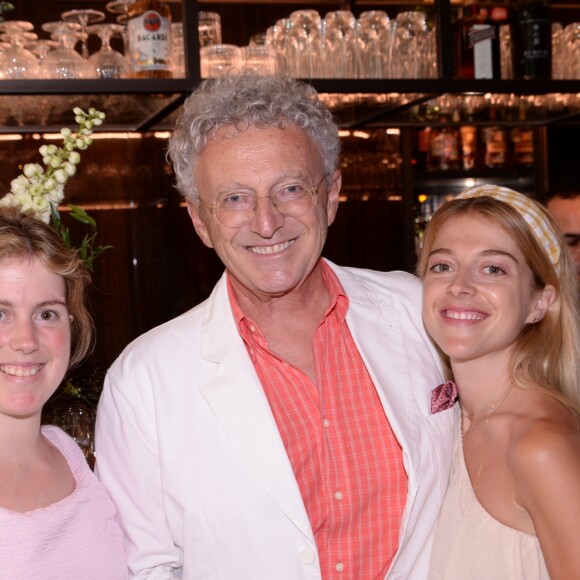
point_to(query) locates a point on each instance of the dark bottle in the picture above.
(443, 153)
(531, 37)
(421, 153)
(149, 32)
(477, 54)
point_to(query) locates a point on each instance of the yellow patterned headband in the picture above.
(528, 209)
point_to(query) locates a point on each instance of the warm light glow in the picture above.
(162, 134)
(58, 136)
(361, 134)
(117, 136)
(393, 131)
(10, 137)
(422, 198)
(470, 182)
(343, 133)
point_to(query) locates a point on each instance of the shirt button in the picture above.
(325, 422)
(307, 556)
(338, 495)
(339, 567)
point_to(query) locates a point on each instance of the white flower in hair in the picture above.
(39, 190)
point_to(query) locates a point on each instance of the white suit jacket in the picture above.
(189, 450)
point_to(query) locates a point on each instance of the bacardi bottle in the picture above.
(149, 32)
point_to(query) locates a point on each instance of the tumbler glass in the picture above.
(221, 59)
(209, 28)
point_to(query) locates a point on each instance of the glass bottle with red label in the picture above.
(149, 33)
(477, 41)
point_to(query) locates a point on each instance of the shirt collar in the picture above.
(338, 301)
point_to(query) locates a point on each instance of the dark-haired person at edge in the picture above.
(565, 208)
(501, 301)
(282, 429)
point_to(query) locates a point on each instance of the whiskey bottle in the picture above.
(531, 36)
(522, 139)
(468, 138)
(495, 154)
(149, 33)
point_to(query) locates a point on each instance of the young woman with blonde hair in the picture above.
(500, 301)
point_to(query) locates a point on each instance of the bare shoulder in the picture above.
(544, 450)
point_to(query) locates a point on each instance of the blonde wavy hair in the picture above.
(547, 353)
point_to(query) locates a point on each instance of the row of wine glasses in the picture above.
(25, 56)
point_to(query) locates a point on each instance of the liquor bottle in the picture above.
(531, 36)
(443, 152)
(477, 41)
(495, 151)
(422, 148)
(468, 137)
(149, 33)
(522, 139)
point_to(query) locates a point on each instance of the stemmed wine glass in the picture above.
(84, 17)
(108, 63)
(41, 47)
(64, 62)
(121, 9)
(16, 61)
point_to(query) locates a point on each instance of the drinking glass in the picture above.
(338, 45)
(177, 50)
(40, 47)
(221, 59)
(64, 62)
(305, 32)
(16, 61)
(278, 37)
(259, 59)
(209, 28)
(408, 44)
(570, 56)
(121, 8)
(84, 16)
(108, 63)
(118, 6)
(374, 39)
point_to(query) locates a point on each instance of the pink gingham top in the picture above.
(75, 538)
(346, 459)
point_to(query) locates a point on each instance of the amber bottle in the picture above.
(149, 31)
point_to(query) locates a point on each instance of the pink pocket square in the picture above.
(443, 397)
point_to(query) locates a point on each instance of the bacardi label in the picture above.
(150, 42)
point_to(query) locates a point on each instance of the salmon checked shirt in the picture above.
(347, 462)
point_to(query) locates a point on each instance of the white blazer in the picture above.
(189, 450)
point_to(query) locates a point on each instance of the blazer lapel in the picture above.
(235, 396)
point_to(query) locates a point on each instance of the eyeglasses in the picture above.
(572, 240)
(292, 199)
